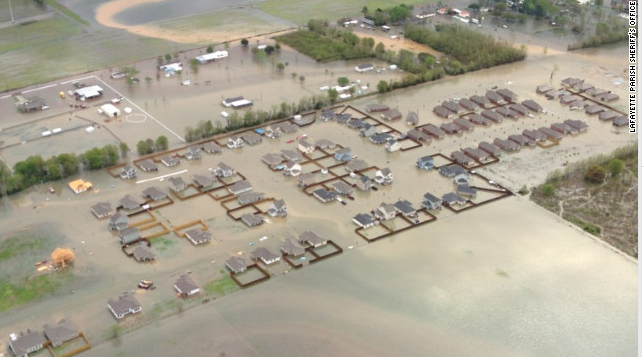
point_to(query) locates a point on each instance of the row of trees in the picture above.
(471, 50)
(36, 170)
(148, 146)
(604, 34)
(394, 14)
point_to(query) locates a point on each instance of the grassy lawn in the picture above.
(221, 286)
(16, 246)
(163, 243)
(66, 11)
(21, 9)
(31, 288)
(299, 13)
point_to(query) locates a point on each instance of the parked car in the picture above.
(145, 284)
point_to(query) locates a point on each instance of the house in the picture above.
(380, 138)
(355, 123)
(324, 195)
(193, 153)
(553, 94)
(27, 343)
(433, 130)
(462, 179)
(364, 220)
(452, 106)
(368, 130)
(252, 219)
(442, 112)
(240, 187)
(451, 170)
(522, 140)
(342, 188)
(292, 155)
(154, 193)
(212, 147)
(148, 166)
(292, 248)
(384, 212)
(265, 255)
(343, 154)
(543, 89)
(507, 95)
(236, 264)
(129, 235)
(571, 82)
(476, 154)
(124, 305)
(89, 92)
(142, 254)
(392, 114)
(608, 115)
(418, 135)
(405, 208)
(325, 144)
(567, 99)
(481, 101)
(464, 124)
(79, 186)
(519, 108)
(252, 138)
(535, 135)
(128, 172)
(490, 148)
(119, 221)
(249, 197)
(596, 92)
(197, 236)
(377, 108)
(507, 112)
(594, 109)
(577, 124)
(30, 104)
(185, 286)
(452, 198)
(507, 145)
(170, 161)
(287, 127)
(564, 129)
(364, 67)
(209, 57)
(235, 142)
(431, 202)
(292, 169)
(582, 87)
(222, 170)
(307, 179)
(61, 332)
(461, 158)
(392, 145)
(466, 191)
(342, 118)
(129, 203)
(272, 160)
(554, 135)
(312, 239)
(202, 180)
(277, 209)
(328, 114)
(451, 128)
(101, 209)
(305, 147)
(532, 105)
(177, 184)
(492, 115)
(608, 97)
(620, 121)
(412, 118)
(364, 183)
(579, 104)
(425, 162)
(467, 104)
(384, 176)
(495, 97)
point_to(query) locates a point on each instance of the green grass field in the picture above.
(222, 286)
(225, 21)
(299, 13)
(21, 9)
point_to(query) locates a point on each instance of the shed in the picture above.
(110, 110)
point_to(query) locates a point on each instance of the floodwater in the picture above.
(149, 11)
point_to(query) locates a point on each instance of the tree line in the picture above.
(35, 169)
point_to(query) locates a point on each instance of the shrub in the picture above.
(595, 174)
(548, 190)
(615, 167)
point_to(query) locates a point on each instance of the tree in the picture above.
(109, 155)
(148, 80)
(69, 163)
(302, 78)
(194, 65)
(400, 13)
(602, 29)
(159, 61)
(333, 95)
(62, 257)
(383, 87)
(365, 10)
(595, 174)
(143, 147)
(278, 47)
(269, 49)
(293, 75)
(94, 159)
(113, 332)
(343, 81)
(168, 57)
(53, 172)
(226, 45)
(380, 48)
(474, 6)
(280, 66)
(210, 49)
(615, 167)
(124, 149)
(161, 143)
(244, 42)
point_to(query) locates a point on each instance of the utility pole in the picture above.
(11, 12)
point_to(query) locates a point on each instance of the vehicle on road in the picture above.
(62, 94)
(145, 284)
